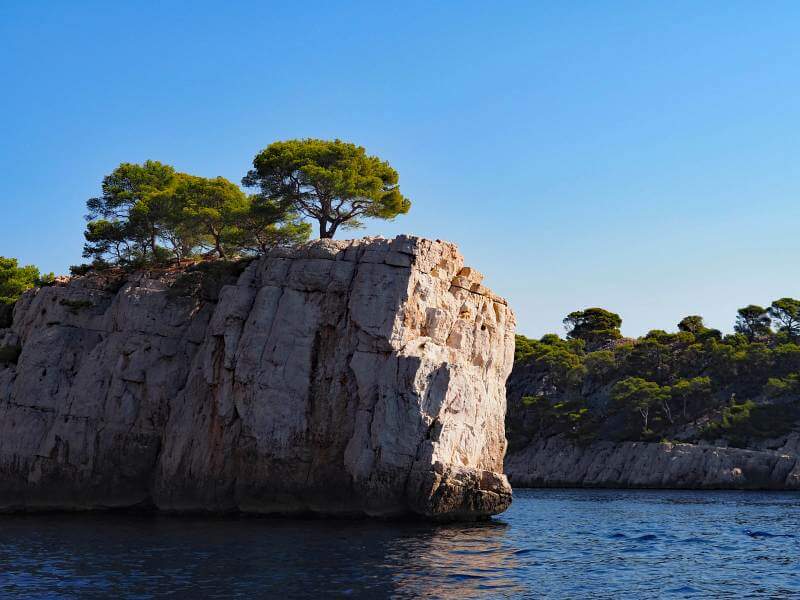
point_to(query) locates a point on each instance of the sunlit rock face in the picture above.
(362, 377)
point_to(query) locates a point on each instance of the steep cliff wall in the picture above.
(344, 377)
(556, 462)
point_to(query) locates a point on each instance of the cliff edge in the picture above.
(361, 377)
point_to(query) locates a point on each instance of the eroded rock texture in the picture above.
(344, 377)
(556, 462)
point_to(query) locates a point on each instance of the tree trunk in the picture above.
(324, 232)
(667, 411)
(218, 247)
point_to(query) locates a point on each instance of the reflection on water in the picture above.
(458, 561)
(551, 543)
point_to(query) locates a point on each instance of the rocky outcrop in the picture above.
(555, 462)
(357, 377)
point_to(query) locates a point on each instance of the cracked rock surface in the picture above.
(362, 377)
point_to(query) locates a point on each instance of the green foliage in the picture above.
(332, 182)
(666, 383)
(151, 214)
(786, 314)
(75, 305)
(786, 358)
(571, 418)
(209, 209)
(741, 422)
(753, 322)
(128, 219)
(641, 396)
(694, 324)
(523, 348)
(692, 393)
(267, 224)
(595, 326)
(559, 359)
(601, 366)
(783, 386)
(14, 280)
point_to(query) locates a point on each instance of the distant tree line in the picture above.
(14, 280)
(597, 383)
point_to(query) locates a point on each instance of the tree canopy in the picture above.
(753, 321)
(786, 314)
(14, 279)
(151, 213)
(335, 183)
(663, 383)
(595, 326)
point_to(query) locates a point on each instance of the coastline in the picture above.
(558, 463)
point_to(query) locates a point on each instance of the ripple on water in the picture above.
(766, 534)
(550, 544)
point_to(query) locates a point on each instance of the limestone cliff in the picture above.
(556, 462)
(343, 377)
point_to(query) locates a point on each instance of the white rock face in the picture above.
(343, 377)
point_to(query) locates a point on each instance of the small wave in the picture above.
(617, 536)
(767, 534)
(684, 589)
(465, 576)
(474, 552)
(647, 537)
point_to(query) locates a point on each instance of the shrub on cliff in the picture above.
(335, 183)
(14, 280)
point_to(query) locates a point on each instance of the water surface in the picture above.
(550, 544)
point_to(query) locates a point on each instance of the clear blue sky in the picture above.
(641, 157)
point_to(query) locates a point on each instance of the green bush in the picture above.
(662, 383)
(741, 422)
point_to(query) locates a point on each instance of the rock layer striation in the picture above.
(359, 377)
(556, 462)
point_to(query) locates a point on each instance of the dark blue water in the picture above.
(557, 544)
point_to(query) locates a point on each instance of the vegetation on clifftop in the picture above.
(691, 384)
(151, 214)
(14, 280)
(334, 183)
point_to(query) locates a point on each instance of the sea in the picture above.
(549, 544)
